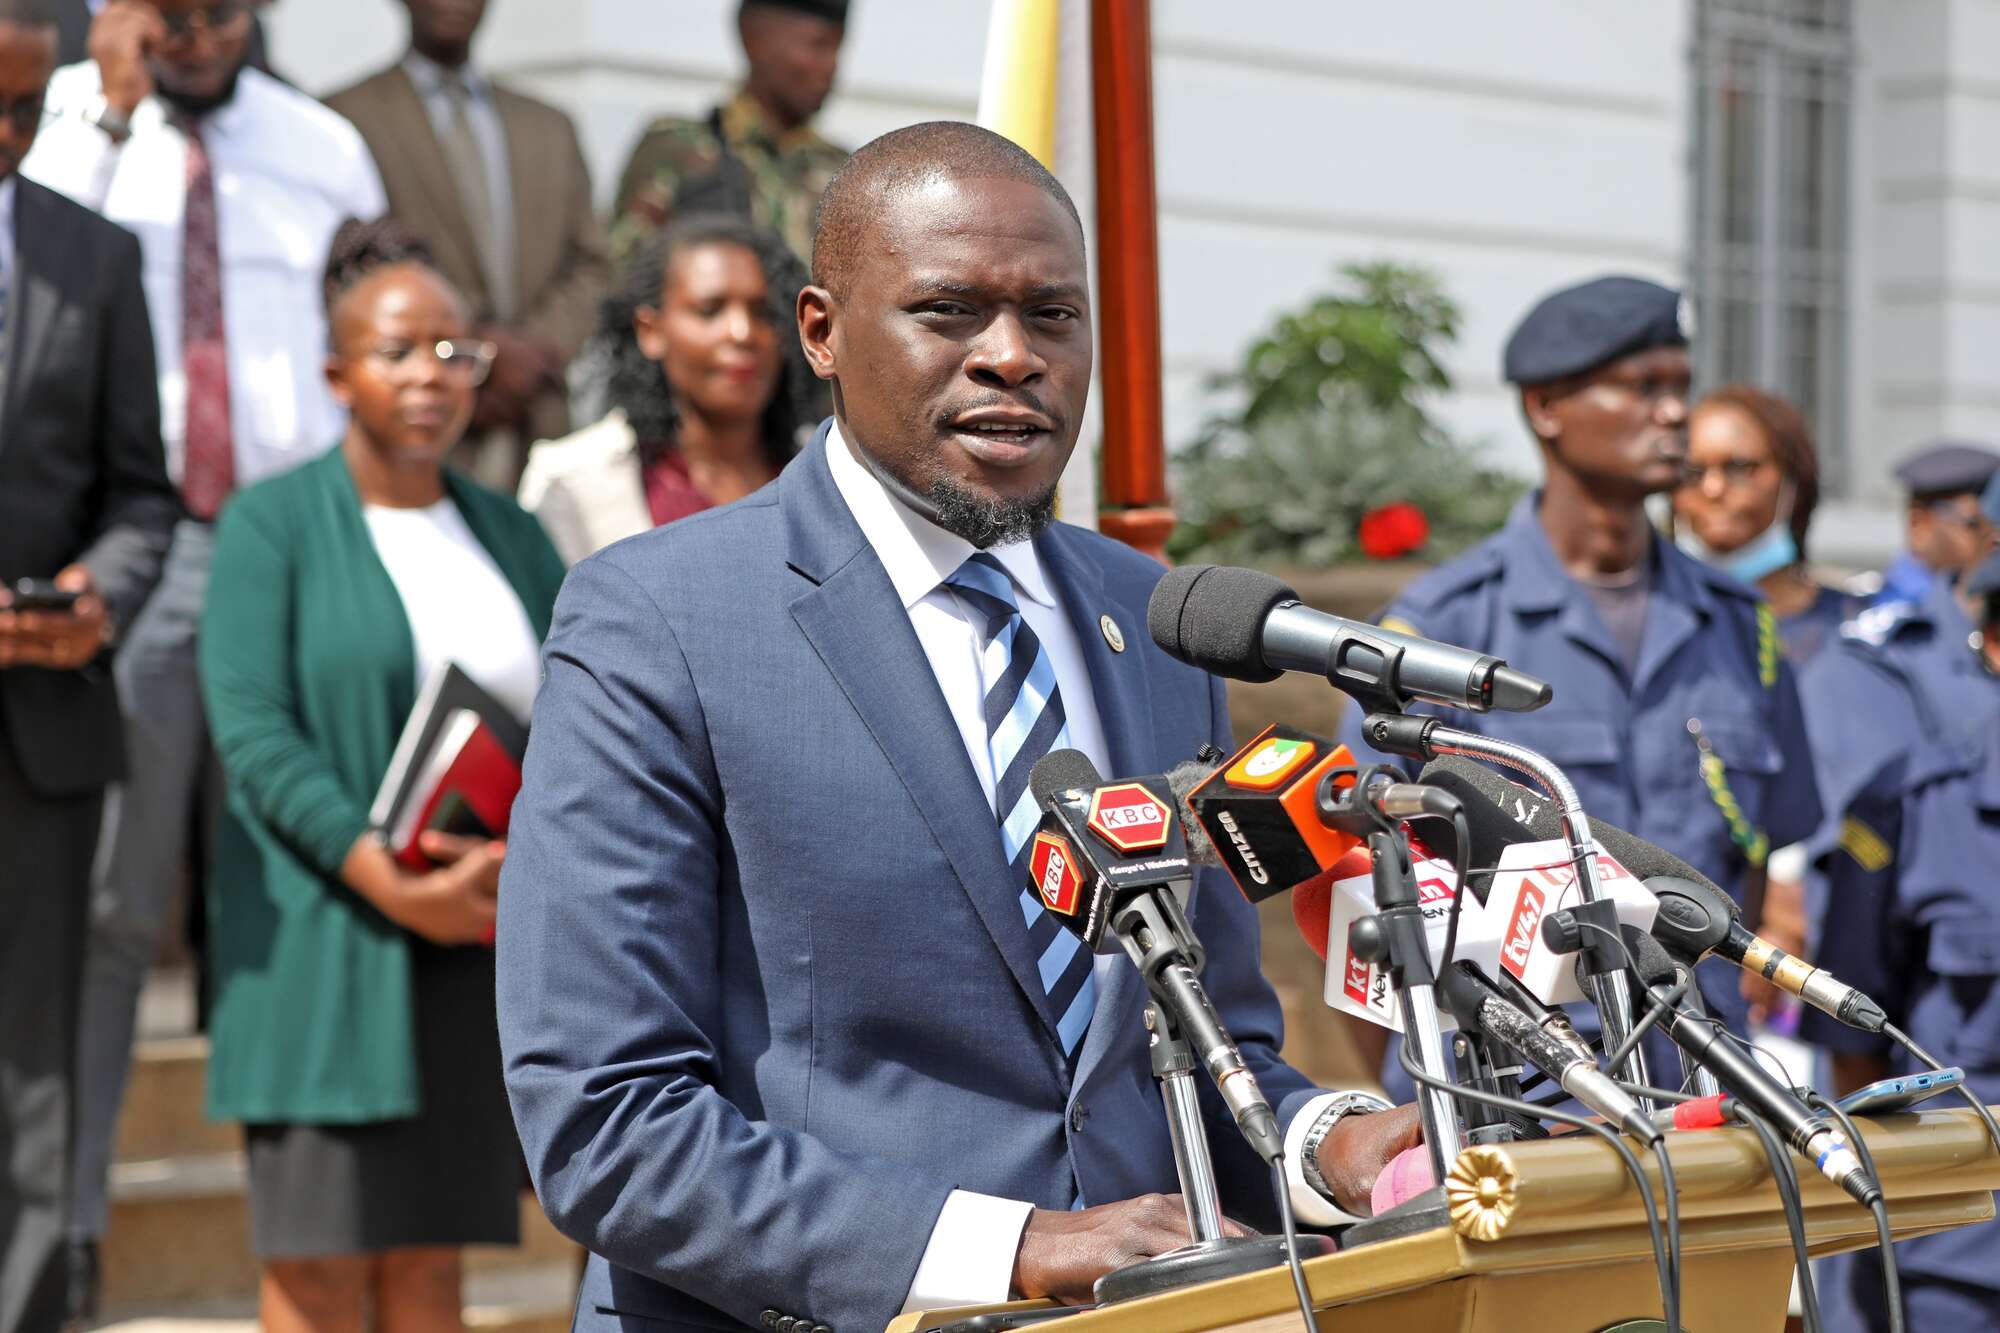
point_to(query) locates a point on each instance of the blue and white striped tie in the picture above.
(1024, 721)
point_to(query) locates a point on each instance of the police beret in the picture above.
(1582, 327)
(1948, 467)
(834, 11)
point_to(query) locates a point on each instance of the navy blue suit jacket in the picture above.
(765, 993)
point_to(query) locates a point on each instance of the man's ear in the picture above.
(816, 331)
(1538, 406)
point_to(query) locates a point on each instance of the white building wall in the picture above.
(1512, 148)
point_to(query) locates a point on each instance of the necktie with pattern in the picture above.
(208, 453)
(1024, 721)
(475, 192)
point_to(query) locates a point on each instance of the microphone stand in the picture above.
(1157, 936)
(1611, 988)
(1396, 936)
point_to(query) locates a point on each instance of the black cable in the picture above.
(1292, 1243)
(1462, 863)
(1670, 1192)
(1909, 1044)
(1892, 1277)
(1780, 1159)
(1670, 1296)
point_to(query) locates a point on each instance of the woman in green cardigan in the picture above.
(352, 1024)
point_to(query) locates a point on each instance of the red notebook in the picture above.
(457, 767)
(467, 786)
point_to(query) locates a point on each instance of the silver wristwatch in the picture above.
(1342, 1106)
(100, 113)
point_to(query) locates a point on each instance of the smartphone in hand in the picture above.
(42, 595)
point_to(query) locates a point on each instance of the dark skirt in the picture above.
(448, 1176)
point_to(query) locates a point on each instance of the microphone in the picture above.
(1109, 860)
(1257, 811)
(1249, 626)
(1697, 920)
(1500, 813)
(1545, 1038)
(1748, 1081)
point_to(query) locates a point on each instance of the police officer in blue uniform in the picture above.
(1946, 528)
(1904, 717)
(1675, 712)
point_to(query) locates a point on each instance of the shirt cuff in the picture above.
(1308, 1204)
(970, 1257)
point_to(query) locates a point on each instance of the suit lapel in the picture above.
(1121, 691)
(850, 613)
(419, 139)
(36, 296)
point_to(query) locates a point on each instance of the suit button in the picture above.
(769, 1319)
(786, 1323)
(821, 1328)
(1077, 1115)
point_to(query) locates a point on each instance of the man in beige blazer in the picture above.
(496, 183)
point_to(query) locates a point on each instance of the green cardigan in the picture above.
(309, 671)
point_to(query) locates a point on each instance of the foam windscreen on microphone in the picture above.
(1183, 778)
(1212, 617)
(1062, 770)
(1500, 813)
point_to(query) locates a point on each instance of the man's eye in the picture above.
(1059, 314)
(948, 308)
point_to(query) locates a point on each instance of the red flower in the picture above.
(1393, 530)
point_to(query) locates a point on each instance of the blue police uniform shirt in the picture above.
(1710, 657)
(1907, 579)
(1905, 727)
(1812, 630)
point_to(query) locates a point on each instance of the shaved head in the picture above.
(903, 161)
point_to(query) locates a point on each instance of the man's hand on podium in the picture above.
(1356, 1150)
(1063, 1253)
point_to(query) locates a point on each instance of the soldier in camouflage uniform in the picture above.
(757, 154)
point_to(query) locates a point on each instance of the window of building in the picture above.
(1769, 257)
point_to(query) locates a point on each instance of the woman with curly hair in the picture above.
(706, 388)
(352, 1028)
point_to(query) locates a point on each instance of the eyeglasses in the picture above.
(1735, 472)
(221, 19)
(466, 360)
(24, 113)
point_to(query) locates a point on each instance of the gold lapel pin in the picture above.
(1112, 634)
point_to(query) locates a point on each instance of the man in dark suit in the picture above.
(496, 183)
(788, 1039)
(85, 504)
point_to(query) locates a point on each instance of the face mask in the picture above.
(1768, 552)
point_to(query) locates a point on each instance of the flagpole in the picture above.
(1135, 507)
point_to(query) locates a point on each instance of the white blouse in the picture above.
(461, 608)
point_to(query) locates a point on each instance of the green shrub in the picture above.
(1330, 424)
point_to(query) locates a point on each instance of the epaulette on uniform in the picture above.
(1876, 625)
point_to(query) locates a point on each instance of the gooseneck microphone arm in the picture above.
(1426, 738)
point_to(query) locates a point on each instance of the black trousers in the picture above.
(46, 845)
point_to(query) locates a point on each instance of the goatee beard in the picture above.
(197, 107)
(988, 521)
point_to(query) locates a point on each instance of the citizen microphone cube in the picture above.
(1260, 809)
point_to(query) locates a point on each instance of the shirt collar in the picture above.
(918, 554)
(429, 76)
(744, 120)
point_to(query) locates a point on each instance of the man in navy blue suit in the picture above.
(788, 1042)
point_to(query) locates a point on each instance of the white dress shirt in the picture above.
(970, 1257)
(287, 172)
(7, 266)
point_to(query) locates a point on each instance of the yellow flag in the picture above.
(1017, 93)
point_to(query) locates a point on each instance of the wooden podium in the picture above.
(1551, 1236)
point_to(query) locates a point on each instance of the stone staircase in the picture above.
(176, 1256)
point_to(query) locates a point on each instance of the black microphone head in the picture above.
(1499, 812)
(1653, 964)
(1693, 918)
(1212, 617)
(1062, 770)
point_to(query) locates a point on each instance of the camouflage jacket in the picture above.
(786, 172)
